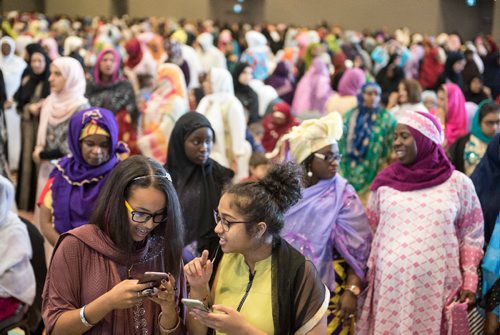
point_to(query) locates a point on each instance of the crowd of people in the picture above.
(293, 180)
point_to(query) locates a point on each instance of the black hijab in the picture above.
(199, 186)
(27, 90)
(449, 73)
(486, 179)
(245, 94)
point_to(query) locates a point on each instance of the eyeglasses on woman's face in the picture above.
(142, 217)
(226, 224)
(329, 157)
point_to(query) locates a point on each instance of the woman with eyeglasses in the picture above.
(329, 225)
(198, 179)
(467, 151)
(78, 179)
(92, 283)
(366, 147)
(260, 284)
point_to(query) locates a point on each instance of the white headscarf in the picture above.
(16, 274)
(221, 81)
(72, 43)
(58, 107)
(12, 67)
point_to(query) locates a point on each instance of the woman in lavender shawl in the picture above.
(68, 198)
(329, 224)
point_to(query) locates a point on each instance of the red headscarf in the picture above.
(134, 51)
(273, 131)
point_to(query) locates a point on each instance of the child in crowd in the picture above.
(259, 165)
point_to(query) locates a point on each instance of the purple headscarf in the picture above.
(313, 90)
(76, 182)
(351, 82)
(281, 80)
(328, 216)
(431, 167)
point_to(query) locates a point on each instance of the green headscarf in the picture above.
(476, 125)
(308, 56)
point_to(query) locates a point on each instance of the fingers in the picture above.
(140, 287)
(211, 320)
(167, 290)
(198, 266)
(208, 267)
(204, 257)
(222, 308)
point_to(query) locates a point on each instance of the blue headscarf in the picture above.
(364, 122)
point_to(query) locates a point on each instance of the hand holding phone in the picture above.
(153, 277)
(195, 304)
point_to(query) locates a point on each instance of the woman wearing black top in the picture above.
(198, 179)
(242, 75)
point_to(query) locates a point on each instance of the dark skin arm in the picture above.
(348, 301)
(491, 326)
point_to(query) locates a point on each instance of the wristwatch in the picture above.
(353, 289)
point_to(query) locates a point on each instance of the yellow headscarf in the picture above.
(92, 129)
(312, 135)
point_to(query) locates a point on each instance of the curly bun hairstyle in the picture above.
(268, 199)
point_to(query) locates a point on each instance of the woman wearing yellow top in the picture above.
(261, 284)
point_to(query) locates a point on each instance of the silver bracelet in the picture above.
(84, 320)
(171, 330)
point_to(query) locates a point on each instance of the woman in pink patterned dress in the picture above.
(428, 236)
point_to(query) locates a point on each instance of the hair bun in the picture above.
(283, 183)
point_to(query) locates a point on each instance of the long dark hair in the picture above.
(112, 217)
(268, 199)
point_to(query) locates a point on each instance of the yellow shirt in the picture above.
(232, 282)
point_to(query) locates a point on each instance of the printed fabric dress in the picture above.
(427, 246)
(360, 167)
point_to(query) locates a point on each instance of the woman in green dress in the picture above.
(366, 148)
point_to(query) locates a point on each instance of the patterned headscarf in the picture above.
(431, 166)
(359, 140)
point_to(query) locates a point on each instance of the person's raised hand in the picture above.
(199, 271)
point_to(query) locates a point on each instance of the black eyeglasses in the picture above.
(492, 122)
(330, 157)
(141, 217)
(225, 223)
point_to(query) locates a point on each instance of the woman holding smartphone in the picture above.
(92, 283)
(261, 284)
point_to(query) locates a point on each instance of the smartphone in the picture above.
(195, 304)
(154, 277)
